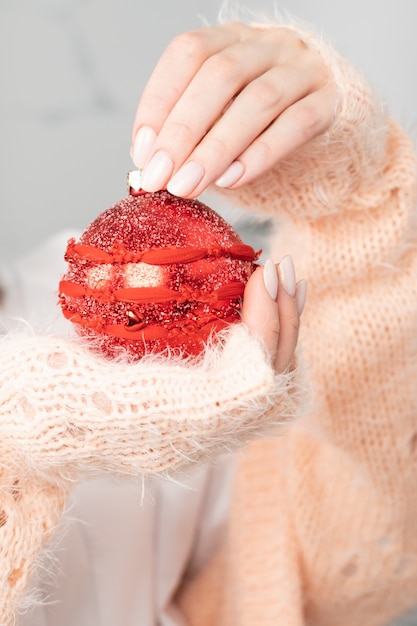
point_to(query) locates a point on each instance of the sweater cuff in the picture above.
(66, 412)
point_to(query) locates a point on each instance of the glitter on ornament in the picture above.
(154, 272)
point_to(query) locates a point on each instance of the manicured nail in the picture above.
(301, 295)
(142, 146)
(186, 179)
(287, 275)
(231, 175)
(157, 172)
(270, 278)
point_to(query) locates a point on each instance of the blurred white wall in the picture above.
(72, 72)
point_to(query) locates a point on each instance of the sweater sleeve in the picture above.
(356, 183)
(333, 541)
(67, 413)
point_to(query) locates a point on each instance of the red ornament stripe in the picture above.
(143, 295)
(156, 332)
(155, 256)
(196, 330)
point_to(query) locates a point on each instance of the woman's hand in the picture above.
(272, 306)
(225, 104)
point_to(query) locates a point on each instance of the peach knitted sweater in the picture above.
(322, 526)
(322, 529)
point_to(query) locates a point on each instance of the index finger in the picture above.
(174, 71)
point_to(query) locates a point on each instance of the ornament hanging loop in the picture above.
(133, 182)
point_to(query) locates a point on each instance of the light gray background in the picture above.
(72, 72)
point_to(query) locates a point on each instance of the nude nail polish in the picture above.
(301, 295)
(158, 171)
(186, 179)
(142, 146)
(287, 275)
(231, 175)
(270, 278)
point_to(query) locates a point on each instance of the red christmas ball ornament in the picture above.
(153, 272)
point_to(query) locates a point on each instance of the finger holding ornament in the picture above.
(168, 82)
(272, 307)
(217, 128)
(291, 301)
(304, 120)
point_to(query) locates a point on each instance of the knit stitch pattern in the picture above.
(67, 413)
(322, 528)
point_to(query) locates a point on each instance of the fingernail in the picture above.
(186, 179)
(271, 278)
(231, 175)
(301, 295)
(157, 172)
(287, 275)
(142, 146)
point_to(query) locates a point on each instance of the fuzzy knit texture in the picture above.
(322, 525)
(322, 529)
(67, 414)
